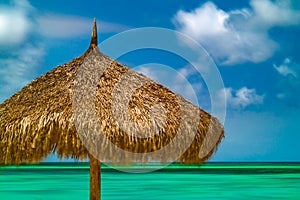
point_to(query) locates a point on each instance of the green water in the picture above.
(210, 181)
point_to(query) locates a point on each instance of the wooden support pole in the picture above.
(95, 178)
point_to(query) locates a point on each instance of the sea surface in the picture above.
(50, 181)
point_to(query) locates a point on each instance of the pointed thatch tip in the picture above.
(94, 40)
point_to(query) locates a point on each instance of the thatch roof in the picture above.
(39, 119)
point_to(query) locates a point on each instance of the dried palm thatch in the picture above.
(38, 120)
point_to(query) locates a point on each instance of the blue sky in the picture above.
(255, 45)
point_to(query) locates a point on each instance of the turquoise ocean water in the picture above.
(209, 181)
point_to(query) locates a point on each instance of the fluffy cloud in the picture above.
(278, 13)
(14, 23)
(240, 35)
(21, 25)
(242, 98)
(18, 59)
(289, 84)
(287, 68)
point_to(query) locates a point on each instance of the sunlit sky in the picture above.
(254, 43)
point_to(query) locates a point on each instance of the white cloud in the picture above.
(195, 22)
(18, 21)
(289, 82)
(107, 27)
(240, 35)
(20, 57)
(242, 98)
(278, 13)
(186, 72)
(14, 23)
(286, 68)
(66, 26)
(60, 26)
(19, 69)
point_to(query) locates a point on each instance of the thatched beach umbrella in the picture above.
(51, 115)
